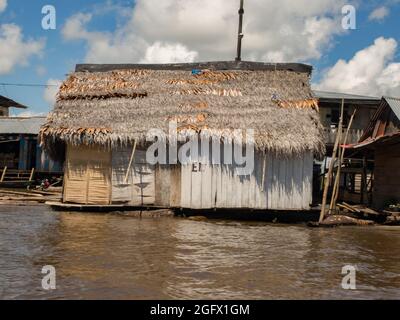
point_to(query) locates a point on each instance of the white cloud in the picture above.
(50, 92)
(379, 14)
(41, 71)
(209, 28)
(29, 114)
(120, 46)
(3, 5)
(15, 51)
(74, 28)
(372, 71)
(160, 52)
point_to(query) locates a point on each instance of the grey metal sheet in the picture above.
(339, 96)
(394, 104)
(21, 125)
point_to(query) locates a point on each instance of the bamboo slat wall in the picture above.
(87, 175)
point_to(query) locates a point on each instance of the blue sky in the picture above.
(172, 30)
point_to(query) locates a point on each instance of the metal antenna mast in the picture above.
(240, 34)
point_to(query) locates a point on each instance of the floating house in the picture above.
(21, 157)
(104, 114)
(329, 108)
(357, 170)
(382, 138)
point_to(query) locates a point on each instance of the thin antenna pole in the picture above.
(240, 34)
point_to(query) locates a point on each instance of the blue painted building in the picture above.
(19, 147)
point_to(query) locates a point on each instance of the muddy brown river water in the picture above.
(104, 256)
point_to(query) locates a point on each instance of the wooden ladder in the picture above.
(17, 176)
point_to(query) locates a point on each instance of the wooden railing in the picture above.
(353, 137)
(16, 176)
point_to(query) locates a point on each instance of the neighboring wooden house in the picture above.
(382, 137)
(102, 111)
(19, 148)
(6, 104)
(329, 108)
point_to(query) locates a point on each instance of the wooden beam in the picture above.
(32, 174)
(218, 65)
(328, 179)
(3, 174)
(342, 151)
(130, 163)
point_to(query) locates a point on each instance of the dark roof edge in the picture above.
(218, 65)
(9, 103)
(372, 102)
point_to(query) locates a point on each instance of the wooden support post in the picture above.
(342, 150)
(371, 198)
(32, 174)
(130, 163)
(3, 174)
(364, 182)
(328, 179)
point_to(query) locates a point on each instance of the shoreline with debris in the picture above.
(28, 197)
(348, 215)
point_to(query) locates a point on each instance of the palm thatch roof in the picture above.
(113, 105)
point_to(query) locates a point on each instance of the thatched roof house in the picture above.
(111, 106)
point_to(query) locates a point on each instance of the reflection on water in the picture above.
(118, 257)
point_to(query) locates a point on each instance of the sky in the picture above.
(351, 53)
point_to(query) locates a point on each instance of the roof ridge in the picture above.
(215, 65)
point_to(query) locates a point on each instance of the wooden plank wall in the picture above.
(175, 186)
(163, 187)
(387, 176)
(140, 187)
(277, 183)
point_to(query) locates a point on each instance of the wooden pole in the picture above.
(364, 181)
(342, 150)
(328, 179)
(130, 163)
(3, 174)
(32, 174)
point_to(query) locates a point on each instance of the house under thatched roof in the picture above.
(119, 106)
(102, 109)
